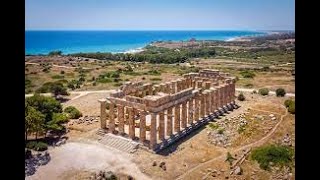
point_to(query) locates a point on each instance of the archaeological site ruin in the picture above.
(156, 116)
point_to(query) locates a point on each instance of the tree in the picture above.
(288, 102)
(292, 108)
(280, 92)
(264, 91)
(46, 105)
(55, 53)
(34, 121)
(73, 112)
(241, 97)
(58, 89)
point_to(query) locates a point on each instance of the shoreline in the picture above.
(246, 38)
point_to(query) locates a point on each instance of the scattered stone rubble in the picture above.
(84, 120)
(286, 140)
(106, 175)
(33, 162)
(284, 173)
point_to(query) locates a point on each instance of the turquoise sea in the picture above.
(42, 42)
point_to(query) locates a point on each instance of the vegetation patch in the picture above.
(37, 145)
(275, 154)
(280, 92)
(264, 91)
(155, 79)
(72, 112)
(213, 125)
(241, 97)
(247, 74)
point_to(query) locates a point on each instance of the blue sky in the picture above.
(159, 14)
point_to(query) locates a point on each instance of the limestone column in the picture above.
(178, 86)
(142, 126)
(167, 88)
(173, 88)
(103, 113)
(197, 107)
(203, 105)
(177, 118)
(184, 115)
(161, 126)
(150, 90)
(224, 94)
(169, 121)
(233, 92)
(111, 118)
(208, 103)
(199, 84)
(153, 131)
(190, 111)
(162, 86)
(183, 84)
(218, 97)
(193, 84)
(207, 85)
(121, 118)
(213, 100)
(144, 92)
(156, 89)
(131, 123)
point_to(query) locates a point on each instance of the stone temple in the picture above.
(156, 116)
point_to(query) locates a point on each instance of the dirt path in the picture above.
(67, 67)
(81, 93)
(257, 143)
(82, 156)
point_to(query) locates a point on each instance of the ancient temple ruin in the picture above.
(158, 115)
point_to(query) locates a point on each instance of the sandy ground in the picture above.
(78, 156)
(88, 104)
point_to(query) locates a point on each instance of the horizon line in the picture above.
(158, 30)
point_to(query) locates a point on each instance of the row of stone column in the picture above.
(121, 120)
(173, 87)
(198, 107)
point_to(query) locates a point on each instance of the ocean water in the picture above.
(42, 42)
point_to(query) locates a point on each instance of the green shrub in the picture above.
(248, 85)
(117, 84)
(155, 79)
(73, 112)
(41, 146)
(213, 125)
(292, 108)
(264, 91)
(57, 77)
(104, 80)
(278, 155)
(288, 102)
(31, 144)
(247, 74)
(38, 146)
(220, 131)
(60, 117)
(280, 92)
(241, 129)
(241, 97)
(229, 158)
(154, 72)
(55, 53)
(62, 72)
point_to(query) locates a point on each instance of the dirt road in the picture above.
(82, 156)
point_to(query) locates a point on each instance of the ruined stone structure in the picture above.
(158, 115)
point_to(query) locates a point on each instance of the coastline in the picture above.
(240, 36)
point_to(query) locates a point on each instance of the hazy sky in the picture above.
(160, 14)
